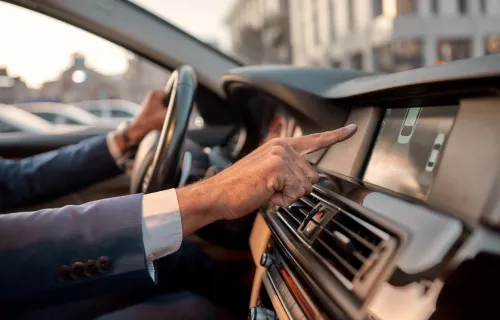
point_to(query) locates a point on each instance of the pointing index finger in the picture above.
(314, 142)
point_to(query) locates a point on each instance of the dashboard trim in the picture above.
(434, 231)
(476, 68)
(461, 185)
(309, 106)
(275, 299)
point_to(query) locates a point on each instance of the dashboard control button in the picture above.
(282, 289)
(296, 312)
(266, 260)
(310, 230)
(259, 313)
(320, 216)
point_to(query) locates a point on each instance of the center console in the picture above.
(404, 223)
(402, 209)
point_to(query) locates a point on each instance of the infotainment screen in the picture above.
(408, 147)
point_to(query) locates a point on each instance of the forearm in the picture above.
(198, 206)
(56, 173)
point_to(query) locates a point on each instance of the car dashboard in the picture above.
(403, 223)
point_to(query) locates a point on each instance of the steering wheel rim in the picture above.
(163, 172)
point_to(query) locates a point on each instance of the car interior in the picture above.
(403, 223)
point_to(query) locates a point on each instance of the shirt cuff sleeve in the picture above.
(162, 226)
(115, 151)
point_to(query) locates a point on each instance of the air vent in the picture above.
(354, 249)
(297, 212)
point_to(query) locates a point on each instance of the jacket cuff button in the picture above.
(91, 268)
(104, 264)
(77, 270)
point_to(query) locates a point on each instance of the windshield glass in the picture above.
(403, 34)
(200, 18)
(46, 60)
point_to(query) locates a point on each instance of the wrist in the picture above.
(197, 206)
(135, 132)
(119, 141)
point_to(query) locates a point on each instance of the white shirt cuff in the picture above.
(162, 226)
(114, 150)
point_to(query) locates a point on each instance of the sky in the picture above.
(39, 47)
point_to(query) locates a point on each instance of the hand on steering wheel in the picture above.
(158, 158)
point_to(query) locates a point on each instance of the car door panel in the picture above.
(21, 145)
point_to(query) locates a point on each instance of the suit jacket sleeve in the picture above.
(56, 173)
(53, 256)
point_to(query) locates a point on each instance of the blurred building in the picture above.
(79, 83)
(260, 31)
(392, 35)
(141, 77)
(12, 89)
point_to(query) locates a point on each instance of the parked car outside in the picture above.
(16, 120)
(112, 108)
(60, 113)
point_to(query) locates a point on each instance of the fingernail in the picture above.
(351, 127)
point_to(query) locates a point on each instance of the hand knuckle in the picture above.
(315, 178)
(289, 201)
(279, 142)
(273, 141)
(299, 192)
(312, 176)
(277, 162)
(307, 188)
(278, 150)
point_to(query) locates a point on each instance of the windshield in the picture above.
(330, 33)
(200, 18)
(46, 60)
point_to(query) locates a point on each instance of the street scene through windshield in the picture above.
(107, 81)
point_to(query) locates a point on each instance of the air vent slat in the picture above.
(297, 217)
(348, 244)
(353, 223)
(304, 212)
(338, 259)
(332, 226)
(308, 200)
(291, 223)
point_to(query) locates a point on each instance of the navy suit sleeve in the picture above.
(56, 173)
(42, 252)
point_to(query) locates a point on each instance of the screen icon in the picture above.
(409, 124)
(436, 148)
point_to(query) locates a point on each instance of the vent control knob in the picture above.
(266, 260)
(259, 313)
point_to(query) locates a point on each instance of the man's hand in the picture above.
(275, 172)
(151, 117)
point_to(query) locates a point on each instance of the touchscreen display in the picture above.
(408, 148)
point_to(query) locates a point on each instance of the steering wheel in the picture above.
(158, 158)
